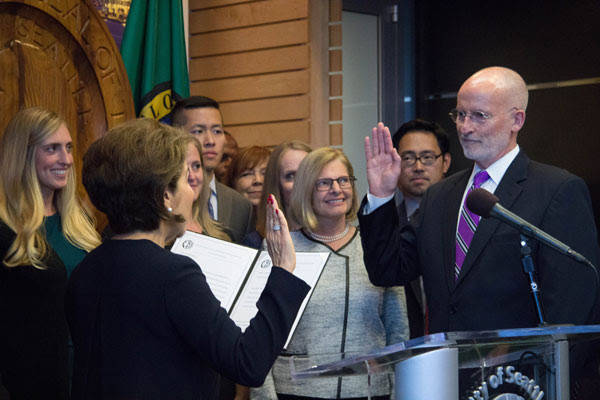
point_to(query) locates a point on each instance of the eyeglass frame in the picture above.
(484, 116)
(419, 158)
(351, 180)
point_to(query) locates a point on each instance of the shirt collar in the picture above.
(213, 185)
(497, 170)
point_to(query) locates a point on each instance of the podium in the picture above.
(528, 363)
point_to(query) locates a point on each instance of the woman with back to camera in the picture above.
(346, 313)
(143, 320)
(279, 181)
(247, 176)
(44, 233)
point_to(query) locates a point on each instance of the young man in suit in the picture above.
(423, 147)
(201, 117)
(476, 282)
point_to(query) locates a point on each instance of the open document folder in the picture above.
(238, 274)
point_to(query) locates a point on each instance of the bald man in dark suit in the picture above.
(484, 287)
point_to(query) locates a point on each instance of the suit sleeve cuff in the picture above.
(374, 202)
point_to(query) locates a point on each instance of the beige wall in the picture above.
(267, 63)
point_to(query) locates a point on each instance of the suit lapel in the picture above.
(453, 203)
(507, 192)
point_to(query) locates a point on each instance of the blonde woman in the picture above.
(346, 313)
(44, 234)
(201, 221)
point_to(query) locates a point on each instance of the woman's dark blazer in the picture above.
(33, 329)
(145, 325)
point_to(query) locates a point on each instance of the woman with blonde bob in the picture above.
(144, 321)
(44, 234)
(346, 313)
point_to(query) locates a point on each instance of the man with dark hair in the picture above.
(423, 147)
(201, 117)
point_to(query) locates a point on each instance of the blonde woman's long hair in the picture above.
(200, 213)
(21, 202)
(272, 185)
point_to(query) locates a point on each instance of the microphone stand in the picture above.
(529, 269)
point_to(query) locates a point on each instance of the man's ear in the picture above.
(446, 160)
(519, 120)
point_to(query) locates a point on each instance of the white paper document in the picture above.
(224, 264)
(238, 274)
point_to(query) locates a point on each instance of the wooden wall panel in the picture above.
(336, 134)
(335, 10)
(247, 14)
(271, 134)
(335, 60)
(250, 63)
(250, 112)
(259, 37)
(202, 4)
(335, 35)
(254, 87)
(336, 73)
(267, 63)
(335, 85)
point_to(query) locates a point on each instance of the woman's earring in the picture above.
(169, 209)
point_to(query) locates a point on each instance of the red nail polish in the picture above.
(277, 212)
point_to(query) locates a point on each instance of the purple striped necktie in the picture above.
(467, 223)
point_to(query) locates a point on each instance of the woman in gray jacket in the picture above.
(346, 313)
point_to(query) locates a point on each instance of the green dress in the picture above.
(69, 254)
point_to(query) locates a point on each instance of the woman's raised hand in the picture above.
(279, 241)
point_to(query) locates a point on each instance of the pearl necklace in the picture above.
(327, 239)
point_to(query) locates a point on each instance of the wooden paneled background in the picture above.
(267, 63)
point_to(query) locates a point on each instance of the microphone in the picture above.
(485, 204)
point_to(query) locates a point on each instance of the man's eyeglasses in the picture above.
(410, 159)
(325, 184)
(478, 117)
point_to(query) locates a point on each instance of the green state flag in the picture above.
(153, 51)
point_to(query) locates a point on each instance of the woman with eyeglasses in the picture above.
(346, 313)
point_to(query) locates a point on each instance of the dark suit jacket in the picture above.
(33, 329)
(413, 292)
(492, 291)
(145, 325)
(234, 211)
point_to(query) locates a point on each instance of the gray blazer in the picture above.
(234, 211)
